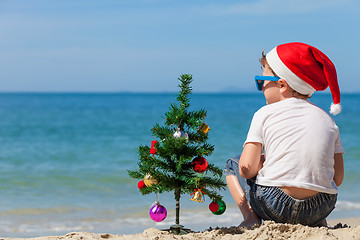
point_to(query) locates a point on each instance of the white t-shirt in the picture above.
(299, 141)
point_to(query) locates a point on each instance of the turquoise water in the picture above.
(63, 160)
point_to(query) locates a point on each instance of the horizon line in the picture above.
(142, 92)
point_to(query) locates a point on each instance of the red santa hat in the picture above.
(306, 69)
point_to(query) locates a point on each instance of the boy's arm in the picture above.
(339, 168)
(251, 160)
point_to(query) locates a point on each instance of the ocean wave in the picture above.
(38, 211)
(31, 223)
(37, 222)
(347, 205)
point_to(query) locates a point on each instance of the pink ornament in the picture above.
(158, 212)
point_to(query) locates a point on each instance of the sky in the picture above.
(145, 45)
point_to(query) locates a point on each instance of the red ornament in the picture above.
(199, 164)
(153, 149)
(141, 184)
(214, 207)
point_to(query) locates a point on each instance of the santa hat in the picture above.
(306, 69)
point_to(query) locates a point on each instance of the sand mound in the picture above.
(267, 231)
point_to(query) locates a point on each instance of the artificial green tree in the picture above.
(181, 139)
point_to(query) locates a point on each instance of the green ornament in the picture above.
(222, 207)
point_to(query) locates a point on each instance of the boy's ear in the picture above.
(284, 86)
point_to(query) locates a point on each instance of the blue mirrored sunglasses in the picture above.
(259, 80)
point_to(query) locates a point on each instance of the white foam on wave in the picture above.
(35, 229)
(197, 218)
(346, 205)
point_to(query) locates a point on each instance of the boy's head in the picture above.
(305, 69)
(265, 64)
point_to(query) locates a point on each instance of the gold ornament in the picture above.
(204, 128)
(198, 196)
(149, 180)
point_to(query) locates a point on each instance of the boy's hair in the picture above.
(264, 62)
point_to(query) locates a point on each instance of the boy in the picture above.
(292, 160)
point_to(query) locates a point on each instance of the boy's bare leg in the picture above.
(250, 218)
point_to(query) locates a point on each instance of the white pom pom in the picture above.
(335, 108)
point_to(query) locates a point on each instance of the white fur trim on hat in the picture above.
(285, 73)
(335, 108)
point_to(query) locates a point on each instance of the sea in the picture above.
(64, 159)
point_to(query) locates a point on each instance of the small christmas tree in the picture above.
(175, 162)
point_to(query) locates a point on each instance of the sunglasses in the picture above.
(259, 80)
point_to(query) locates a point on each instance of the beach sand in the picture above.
(340, 229)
